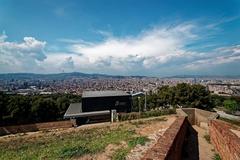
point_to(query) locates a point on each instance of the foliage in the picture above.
(207, 138)
(216, 157)
(19, 109)
(137, 140)
(121, 153)
(182, 94)
(128, 116)
(137, 115)
(44, 110)
(231, 105)
(74, 151)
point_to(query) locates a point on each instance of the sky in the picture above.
(127, 37)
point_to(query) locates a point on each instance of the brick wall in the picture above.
(34, 127)
(191, 114)
(224, 140)
(170, 145)
(197, 116)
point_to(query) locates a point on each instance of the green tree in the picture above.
(231, 105)
(44, 110)
(19, 108)
(182, 91)
(62, 103)
(3, 108)
(199, 97)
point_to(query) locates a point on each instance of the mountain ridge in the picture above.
(62, 76)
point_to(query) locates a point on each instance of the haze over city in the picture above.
(157, 38)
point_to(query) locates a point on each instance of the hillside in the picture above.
(99, 141)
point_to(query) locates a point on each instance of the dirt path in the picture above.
(206, 150)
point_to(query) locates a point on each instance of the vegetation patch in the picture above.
(121, 153)
(138, 123)
(73, 151)
(137, 115)
(66, 145)
(207, 138)
(138, 140)
(216, 157)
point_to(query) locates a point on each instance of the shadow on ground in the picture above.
(191, 149)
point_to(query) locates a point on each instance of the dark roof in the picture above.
(73, 109)
(90, 94)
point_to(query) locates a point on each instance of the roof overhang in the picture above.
(138, 94)
(87, 114)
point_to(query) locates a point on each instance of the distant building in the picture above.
(99, 103)
(106, 100)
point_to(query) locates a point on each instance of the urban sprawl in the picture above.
(220, 86)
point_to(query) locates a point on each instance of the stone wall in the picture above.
(34, 127)
(170, 145)
(197, 116)
(225, 140)
(190, 114)
(203, 117)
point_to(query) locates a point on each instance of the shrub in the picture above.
(137, 115)
(231, 105)
(216, 157)
(207, 138)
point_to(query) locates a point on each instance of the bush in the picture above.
(128, 116)
(216, 157)
(137, 115)
(207, 138)
(231, 105)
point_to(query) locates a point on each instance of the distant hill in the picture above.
(63, 76)
(59, 76)
(206, 76)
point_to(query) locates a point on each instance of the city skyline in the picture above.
(154, 38)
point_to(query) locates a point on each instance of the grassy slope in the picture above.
(74, 144)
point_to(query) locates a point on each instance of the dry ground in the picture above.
(64, 143)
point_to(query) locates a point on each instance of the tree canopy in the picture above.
(182, 94)
(19, 109)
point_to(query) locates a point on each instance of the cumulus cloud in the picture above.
(149, 49)
(154, 52)
(21, 56)
(161, 50)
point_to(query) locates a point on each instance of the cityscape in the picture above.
(120, 80)
(227, 86)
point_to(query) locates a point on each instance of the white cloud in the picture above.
(150, 48)
(157, 51)
(223, 55)
(21, 56)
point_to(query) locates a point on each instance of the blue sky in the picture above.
(134, 37)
